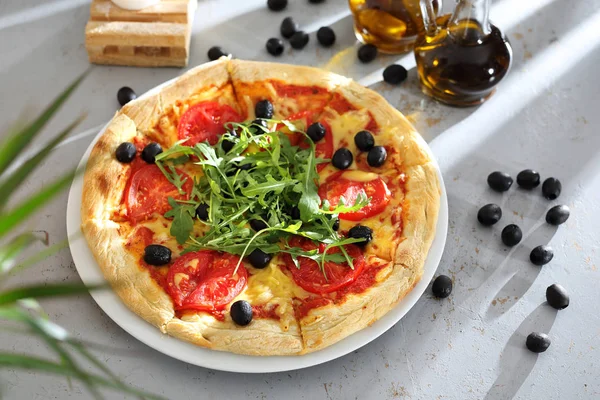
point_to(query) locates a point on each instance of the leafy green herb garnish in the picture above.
(262, 177)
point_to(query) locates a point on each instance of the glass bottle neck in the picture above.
(471, 14)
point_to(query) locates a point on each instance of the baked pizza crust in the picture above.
(105, 179)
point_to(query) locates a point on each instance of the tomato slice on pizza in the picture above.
(205, 122)
(309, 276)
(339, 186)
(148, 190)
(205, 280)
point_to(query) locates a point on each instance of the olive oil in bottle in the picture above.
(462, 57)
(391, 25)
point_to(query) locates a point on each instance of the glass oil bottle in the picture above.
(461, 57)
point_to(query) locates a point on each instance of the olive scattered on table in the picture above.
(241, 312)
(551, 188)
(361, 232)
(326, 36)
(541, 255)
(274, 46)
(202, 211)
(288, 27)
(299, 40)
(216, 52)
(558, 215)
(342, 158)
(264, 109)
(157, 255)
(557, 296)
(489, 214)
(500, 181)
(150, 152)
(316, 131)
(511, 235)
(364, 140)
(125, 95)
(442, 286)
(367, 53)
(528, 179)
(125, 152)
(277, 5)
(395, 74)
(259, 259)
(537, 342)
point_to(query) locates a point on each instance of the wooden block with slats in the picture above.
(156, 36)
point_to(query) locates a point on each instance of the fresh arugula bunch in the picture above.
(261, 177)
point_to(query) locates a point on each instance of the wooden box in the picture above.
(156, 36)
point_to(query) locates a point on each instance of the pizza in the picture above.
(260, 208)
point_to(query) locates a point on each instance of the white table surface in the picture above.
(545, 116)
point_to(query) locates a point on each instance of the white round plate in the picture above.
(113, 306)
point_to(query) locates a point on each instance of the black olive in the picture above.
(316, 131)
(511, 235)
(528, 179)
(258, 224)
(259, 122)
(541, 255)
(558, 215)
(367, 53)
(551, 188)
(288, 27)
(557, 296)
(259, 259)
(264, 109)
(342, 158)
(150, 152)
(202, 211)
(244, 167)
(299, 40)
(395, 74)
(241, 312)
(277, 5)
(442, 286)
(499, 181)
(216, 52)
(227, 145)
(364, 140)
(489, 214)
(125, 95)
(274, 46)
(295, 212)
(537, 342)
(336, 225)
(376, 156)
(155, 254)
(125, 152)
(361, 232)
(326, 36)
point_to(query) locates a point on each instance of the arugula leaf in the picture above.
(183, 222)
(262, 176)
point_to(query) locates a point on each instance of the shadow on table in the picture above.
(516, 362)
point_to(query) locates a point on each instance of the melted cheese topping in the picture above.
(271, 285)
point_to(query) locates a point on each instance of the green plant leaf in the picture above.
(183, 222)
(20, 175)
(11, 147)
(11, 296)
(10, 251)
(8, 360)
(12, 218)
